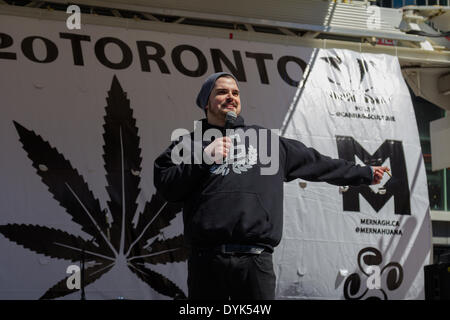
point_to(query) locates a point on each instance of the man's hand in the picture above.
(218, 149)
(378, 173)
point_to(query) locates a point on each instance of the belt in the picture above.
(233, 249)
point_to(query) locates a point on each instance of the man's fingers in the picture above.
(387, 170)
(219, 149)
(378, 173)
(226, 139)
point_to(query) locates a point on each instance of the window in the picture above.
(402, 3)
(441, 253)
(384, 3)
(438, 181)
(398, 3)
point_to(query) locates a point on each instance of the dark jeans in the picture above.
(217, 276)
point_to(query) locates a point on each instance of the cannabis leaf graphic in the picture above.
(336, 61)
(119, 241)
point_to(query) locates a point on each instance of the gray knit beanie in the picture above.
(208, 85)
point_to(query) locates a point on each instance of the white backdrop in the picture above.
(51, 95)
(359, 100)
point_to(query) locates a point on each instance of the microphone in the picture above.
(230, 119)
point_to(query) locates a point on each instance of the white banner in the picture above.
(67, 94)
(356, 242)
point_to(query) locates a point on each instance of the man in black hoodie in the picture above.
(232, 201)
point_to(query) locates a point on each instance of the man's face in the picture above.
(224, 98)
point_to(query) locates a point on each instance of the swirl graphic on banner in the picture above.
(371, 258)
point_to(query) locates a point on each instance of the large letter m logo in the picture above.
(397, 186)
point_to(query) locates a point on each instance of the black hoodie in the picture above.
(235, 203)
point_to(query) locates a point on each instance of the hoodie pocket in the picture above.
(230, 216)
